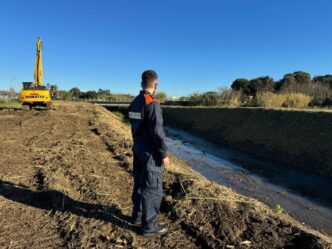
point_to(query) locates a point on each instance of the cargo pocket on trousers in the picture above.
(153, 180)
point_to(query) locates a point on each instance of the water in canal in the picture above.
(305, 196)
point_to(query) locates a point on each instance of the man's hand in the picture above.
(166, 161)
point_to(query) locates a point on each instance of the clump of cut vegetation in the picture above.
(120, 114)
(279, 209)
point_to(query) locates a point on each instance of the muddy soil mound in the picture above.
(217, 223)
(65, 182)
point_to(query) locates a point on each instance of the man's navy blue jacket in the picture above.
(146, 120)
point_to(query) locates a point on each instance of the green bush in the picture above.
(221, 98)
(209, 99)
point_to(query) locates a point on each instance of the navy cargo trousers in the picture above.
(147, 192)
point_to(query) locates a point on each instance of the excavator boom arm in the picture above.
(38, 76)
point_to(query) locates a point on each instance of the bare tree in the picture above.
(11, 92)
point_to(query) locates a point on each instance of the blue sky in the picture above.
(193, 45)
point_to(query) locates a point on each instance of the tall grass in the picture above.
(270, 99)
(229, 98)
(297, 100)
(289, 100)
(319, 92)
(225, 97)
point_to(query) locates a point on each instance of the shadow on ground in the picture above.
(53, 200)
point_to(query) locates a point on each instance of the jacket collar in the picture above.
(146, 92)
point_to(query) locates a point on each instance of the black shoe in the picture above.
(158, 231)
(136, 219)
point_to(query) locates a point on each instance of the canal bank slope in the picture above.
(299, 138)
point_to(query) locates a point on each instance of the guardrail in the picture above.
(110, 103)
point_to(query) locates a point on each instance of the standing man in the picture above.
(150, 156)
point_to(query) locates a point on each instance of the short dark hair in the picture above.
(147, 77)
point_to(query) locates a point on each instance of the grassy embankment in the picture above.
(10, 104)
(295, 137)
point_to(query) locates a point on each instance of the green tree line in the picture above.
(76, 94)
(293, 87)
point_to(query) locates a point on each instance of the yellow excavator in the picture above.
(35, 93)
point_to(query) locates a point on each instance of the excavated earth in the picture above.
(66, 180)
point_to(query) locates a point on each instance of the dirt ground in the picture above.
(65, 182)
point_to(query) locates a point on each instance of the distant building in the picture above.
(172, 98)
